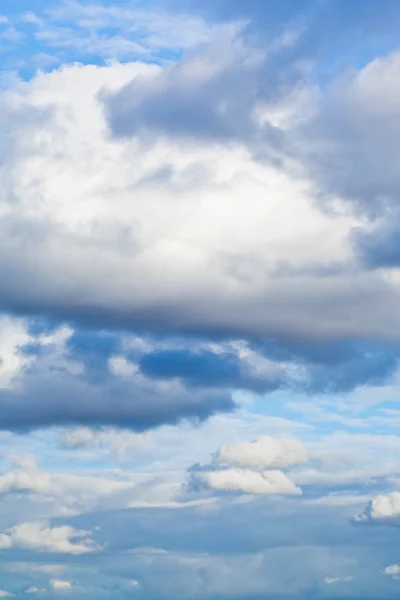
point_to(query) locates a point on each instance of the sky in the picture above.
(199, 292)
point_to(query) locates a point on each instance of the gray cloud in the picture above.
(58, 398)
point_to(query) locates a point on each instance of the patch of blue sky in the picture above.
(41, 36)
(326, 414)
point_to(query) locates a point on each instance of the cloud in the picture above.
(357, 123)
(40, 537)
(264, 282)
(392, 570)
(125, 31)
(86, 384)
(245, 481)
(334, 580)
(161, 380)
(119, 442)
(207, 368)
(265, 452)
(59, 584)
(64, 493)
(204, 97)
(261, 458)
(383, 509)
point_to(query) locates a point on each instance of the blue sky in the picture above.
(199, 291)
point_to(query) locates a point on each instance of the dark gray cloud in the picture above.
(59, 398)
(78, 384)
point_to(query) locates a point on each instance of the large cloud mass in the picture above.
(159, 234)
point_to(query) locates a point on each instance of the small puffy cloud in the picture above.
(265, 452)
(59, 584)
(392, 570)
(4, 594)
(79, 437)
(245, 481)
(35, 590)
(384, 508)
(40, 537)
(251, 467)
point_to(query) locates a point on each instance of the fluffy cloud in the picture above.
(166, 268)
(384, 509)
(40, 537)
(258, 456)
(246, 481)
(197, 226)
(59, 584)
(265, 452)
(392, 570)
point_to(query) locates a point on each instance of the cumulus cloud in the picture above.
(265, 452)
(251, 467)
(59, 584)
(41, 537)
(264, 281)
(384, 509)
(392, 570)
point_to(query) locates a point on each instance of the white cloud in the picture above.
(59, 584)
(14, 335)
(35, 590)
(265, 452)
(246, 481)
(43, 538)
(392, 570)
(86, 217)
(384, 508)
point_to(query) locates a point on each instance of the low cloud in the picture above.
(261, 457)
(41, 537)
(383, 509)
(245, 481)
(59, 584)
(265, 452)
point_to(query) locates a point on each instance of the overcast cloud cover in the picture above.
(199, 299)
